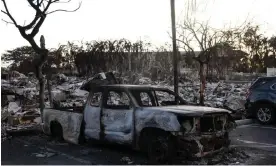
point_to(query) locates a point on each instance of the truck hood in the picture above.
(188, 110)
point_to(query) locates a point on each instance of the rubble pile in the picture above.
(20, 96)
(3, 132)
(230, 95)
(19, 101)
(232, 156)
(66, 91)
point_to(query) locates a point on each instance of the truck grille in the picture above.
(212, 123)
(207, 123)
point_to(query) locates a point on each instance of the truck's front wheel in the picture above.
(160, 147)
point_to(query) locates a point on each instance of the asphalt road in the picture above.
(256, 136)
(258, 142)
(34, 150)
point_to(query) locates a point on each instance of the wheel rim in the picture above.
(264, 114)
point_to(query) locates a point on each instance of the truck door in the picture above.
(92, 113)
(117, 117)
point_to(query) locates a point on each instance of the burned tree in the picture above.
(193, 34)
(41, 8)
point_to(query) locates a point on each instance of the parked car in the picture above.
(145, 118)
(261, 100)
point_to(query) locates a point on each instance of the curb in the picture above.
(244, 122)
(20, 131)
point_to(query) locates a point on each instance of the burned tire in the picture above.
(82, 135)
(265, 113)
(227, 141)
(159, 146)
(56, 131)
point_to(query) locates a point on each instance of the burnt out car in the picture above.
(145, 118)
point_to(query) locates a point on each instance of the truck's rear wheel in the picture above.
(82, 136)
(56, 131)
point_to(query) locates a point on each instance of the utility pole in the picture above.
(175, 59)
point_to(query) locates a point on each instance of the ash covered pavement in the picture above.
(251, 144)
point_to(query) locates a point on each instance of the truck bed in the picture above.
(70, 119)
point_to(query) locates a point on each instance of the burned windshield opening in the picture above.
(167, 97)
(153, 98)
(144, 98)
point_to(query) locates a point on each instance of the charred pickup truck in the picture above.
(145, 118)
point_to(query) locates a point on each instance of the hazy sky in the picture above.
(131, 19)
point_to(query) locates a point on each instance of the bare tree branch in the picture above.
(196, 37)
(62, 10)
(37, 26)
(8, 13)
(34, 6)
(30, 26)
(40, 2)
(43, 6)
(58, 1)
(54, 1)
(8, 22)
(41, 17)
(48, 5)
(39, 13)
